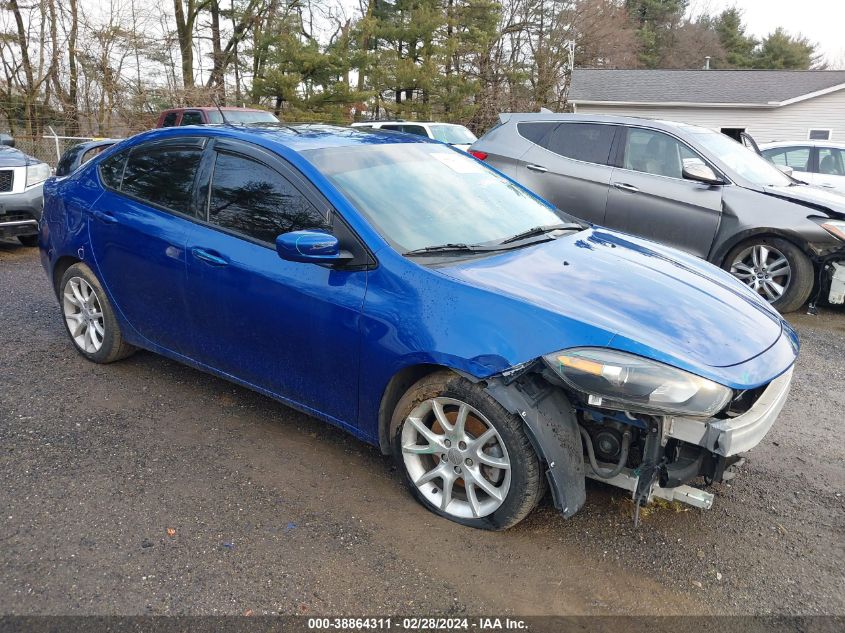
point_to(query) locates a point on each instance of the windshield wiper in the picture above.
(447, 248)
(541, 230)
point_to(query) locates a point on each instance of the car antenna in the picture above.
(220, 110)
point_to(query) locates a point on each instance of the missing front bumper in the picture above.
(739, 434)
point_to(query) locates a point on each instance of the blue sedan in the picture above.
(425, 303)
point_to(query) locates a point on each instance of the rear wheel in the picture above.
(775, 269)
(89, 317)
(28, 240)
(464, 456)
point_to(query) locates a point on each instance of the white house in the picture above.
(770, 105)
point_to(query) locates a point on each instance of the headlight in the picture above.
(617, 380)
(836, 228)
(37, 172)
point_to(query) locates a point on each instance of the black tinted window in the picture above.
(111, 170)
(169, 120)
(162, 175)
(419, 130)
(257, 201)
(536, 131)
(582, 141)
(191, 118)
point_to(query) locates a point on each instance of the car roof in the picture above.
(804, 143)
(660, 124)
(213, 109)
(297, 137)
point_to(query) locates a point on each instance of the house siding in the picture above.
(785, 123)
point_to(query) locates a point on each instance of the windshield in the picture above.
(242, 116)
(418, 195)
(454, 134)
(743, 161)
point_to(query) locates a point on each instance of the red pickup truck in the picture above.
(205, 115)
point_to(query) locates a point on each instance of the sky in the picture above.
(821, 21)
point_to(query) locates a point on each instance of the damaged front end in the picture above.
(634, 423)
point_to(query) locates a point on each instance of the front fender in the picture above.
(553, 431)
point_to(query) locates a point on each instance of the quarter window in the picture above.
(163, 175)
(256, 201)
(796, 157)
(831, 161)
(536, 131)
(653, 152)
(582, 141)
(111, 170)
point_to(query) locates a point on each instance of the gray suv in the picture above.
(685, 186)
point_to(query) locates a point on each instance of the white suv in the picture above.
(450, 133)
(820, 163)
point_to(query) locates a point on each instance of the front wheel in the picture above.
(775, 269)
(463, 455)
(28, 240)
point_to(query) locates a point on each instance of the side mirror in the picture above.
(315, 247)
(699, 172)
(786, 169)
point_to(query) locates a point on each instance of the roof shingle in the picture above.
(699, 86)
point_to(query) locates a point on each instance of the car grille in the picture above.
(6, 179)
(15, 216)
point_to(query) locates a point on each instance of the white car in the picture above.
(450, 133)
(820, 163)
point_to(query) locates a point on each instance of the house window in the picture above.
(819, 135)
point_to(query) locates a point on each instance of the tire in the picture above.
(517, 489)
(742, 262)
(89, 317)
(28, 240)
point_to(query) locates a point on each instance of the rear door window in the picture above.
(169, 120)
(831, 161)
(419, 130)
(192, 117)
(796, 157)
(586, 142)
(254, 200)
(163, 174)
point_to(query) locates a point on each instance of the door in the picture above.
(798, 157)
(649, 196)
(831, 168)
(138, 229)
(568, 166)
(290, 328)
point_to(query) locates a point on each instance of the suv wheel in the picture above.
(89, 317)
(464, 456)
(28, 240)
(774, 268)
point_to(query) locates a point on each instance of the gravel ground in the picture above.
(146, 487)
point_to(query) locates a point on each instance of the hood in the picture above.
(11, 157)
(830, 202)
(680, 310)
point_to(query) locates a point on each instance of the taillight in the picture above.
(479, 155)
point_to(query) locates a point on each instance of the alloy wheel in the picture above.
(456, 458)
(83, 315)
(763, 269)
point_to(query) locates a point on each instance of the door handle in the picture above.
(828, 185)
(538, 168)
(209, 257)
(626, 187)
(103, 216)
